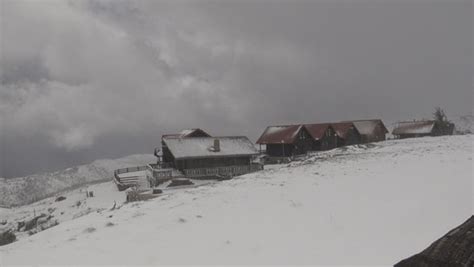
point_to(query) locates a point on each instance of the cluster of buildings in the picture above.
(292, 140)
(194, 153)
(197, 154)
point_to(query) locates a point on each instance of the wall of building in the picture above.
(377, 135)
(280, 150)
(197, 163)
(443, 129)
(167, 156)
(328, 141)
(353, 137)
(302, 143)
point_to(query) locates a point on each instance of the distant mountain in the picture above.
(31, 188)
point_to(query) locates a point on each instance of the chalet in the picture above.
(286, 140)
(187, 133)
(209, 157)
(347, 134)
(410, 129)
(371, 130)
(323, 136)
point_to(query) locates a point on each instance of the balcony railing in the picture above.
(165, 165)
(223, 171)
(126, 182)
(158, 175)
(155, 175)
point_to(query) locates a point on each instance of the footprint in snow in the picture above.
(138, 214)
(295, 204)
(89, 230)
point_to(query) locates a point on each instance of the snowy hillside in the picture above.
(464, 124)
(24, 190)
(372, 204)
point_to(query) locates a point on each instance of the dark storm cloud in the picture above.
(88, 79)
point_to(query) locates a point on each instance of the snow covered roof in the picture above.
(367, 127)
(317, 130)
(283, 134)
(196, 132)
(198, 147)
(414, 127)
(342, 128)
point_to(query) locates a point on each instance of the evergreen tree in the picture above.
(442, 121)
(440, 116)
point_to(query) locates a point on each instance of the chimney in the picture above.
(217, 145)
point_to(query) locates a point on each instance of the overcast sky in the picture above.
(82, 80)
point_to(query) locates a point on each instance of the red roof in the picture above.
(342, 128)
(284, 134)
(317, 130)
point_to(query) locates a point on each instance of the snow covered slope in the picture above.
(364, 205)
(464, 124)
(24, 190)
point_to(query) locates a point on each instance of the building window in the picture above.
(302, 135)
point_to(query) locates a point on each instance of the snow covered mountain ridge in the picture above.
(31, 188)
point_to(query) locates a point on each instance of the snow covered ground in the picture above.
(28, 189)
(364, 205)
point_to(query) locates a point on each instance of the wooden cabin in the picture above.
(286, 140)
(210, 156)
(187, 133)
(347, 134)
(411, 129)
(323, 136)
(371, 130)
